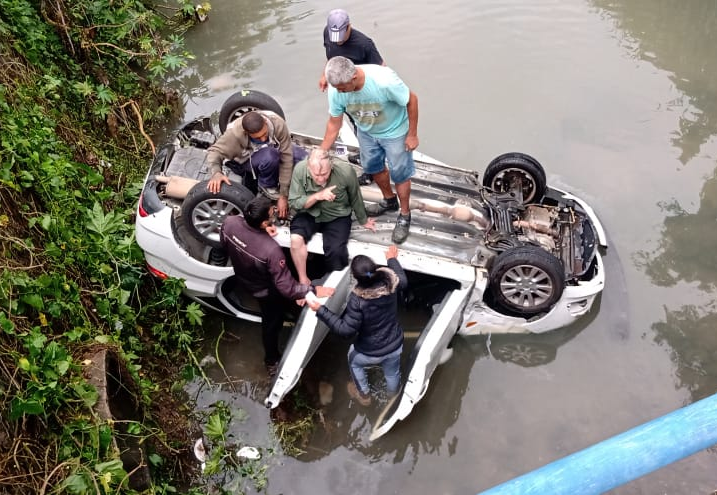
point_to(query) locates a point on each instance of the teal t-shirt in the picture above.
(379, 108)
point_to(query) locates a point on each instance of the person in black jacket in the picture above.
(371, 315)
(260, 267)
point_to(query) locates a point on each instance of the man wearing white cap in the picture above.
(341, 39)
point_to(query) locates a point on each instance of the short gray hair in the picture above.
(316, 156)
(339, 70)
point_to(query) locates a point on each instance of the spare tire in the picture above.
(203, 212)
(510, 170)
(245, 101)
(526, 280)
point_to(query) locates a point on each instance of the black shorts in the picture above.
(335, 236)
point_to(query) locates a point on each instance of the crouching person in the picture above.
(371, 315)
(260, 267)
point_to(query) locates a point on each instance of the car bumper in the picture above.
(479, 319)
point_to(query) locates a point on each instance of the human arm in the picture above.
(325, 194)
(215, 158)
(348, 323)
(226, 147)
(323, 85)
(321, 291)
(412, 136)
(333, 126)
(286, 165)
(393, 264)
(353, 190)
(281, 277)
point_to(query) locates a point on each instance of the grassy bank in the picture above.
(78, 99)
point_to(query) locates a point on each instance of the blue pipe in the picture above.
(624, 457)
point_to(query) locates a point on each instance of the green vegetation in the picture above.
(78, 99)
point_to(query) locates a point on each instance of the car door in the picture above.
(431, 349)
(308, 334)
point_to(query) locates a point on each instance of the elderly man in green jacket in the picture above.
(324, 194)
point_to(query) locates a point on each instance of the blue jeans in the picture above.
(391, 364)
(376, 151)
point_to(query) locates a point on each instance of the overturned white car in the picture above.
(505, 254)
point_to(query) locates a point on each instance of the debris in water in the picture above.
(248, 453)
(200, 452)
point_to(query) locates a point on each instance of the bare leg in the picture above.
(299, 254)
(383, 181)
(403, 190)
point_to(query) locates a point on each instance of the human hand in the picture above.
(313, 304)
(392, 252)
(370, 224)
(322, 291)
(215, 182)
(282, 207)
(411, 143)
(326, 194)
(323, 85)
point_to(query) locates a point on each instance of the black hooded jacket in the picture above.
(372, 313)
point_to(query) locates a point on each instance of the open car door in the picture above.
(431, 349)
(308, 334)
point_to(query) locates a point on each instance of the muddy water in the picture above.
(618, 100)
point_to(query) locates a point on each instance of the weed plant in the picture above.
(78, 99)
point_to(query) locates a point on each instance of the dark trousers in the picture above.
(336, 237)
(272, 320)
(262, 167)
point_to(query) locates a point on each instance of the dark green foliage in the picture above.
(76, 88)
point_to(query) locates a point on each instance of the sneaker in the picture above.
(270, 192)
(365, 179)
(386, 204)
(400, 231)
(354, 393)
(355, 158)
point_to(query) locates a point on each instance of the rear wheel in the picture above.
(526, 280)
(204, 212)
(245, 101)
(516, 171)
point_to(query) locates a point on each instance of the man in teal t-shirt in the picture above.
(386, 115)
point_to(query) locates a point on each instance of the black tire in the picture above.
(510, 170)
(204, 212)
(526, 280)
(245, 101)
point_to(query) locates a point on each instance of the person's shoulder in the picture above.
(359, 35)
(346, 172)
(301, 166)
(383, 74)
(233, 222)
(380, 72)
(343, 168)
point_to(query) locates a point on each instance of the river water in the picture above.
(618, 100)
